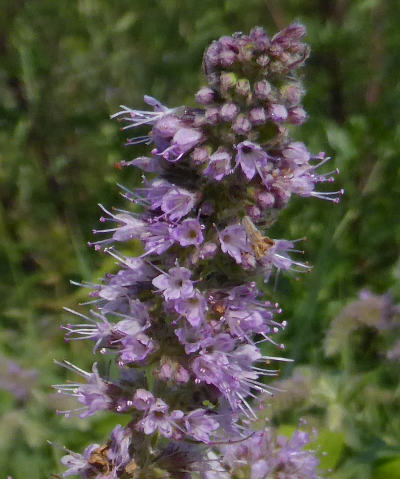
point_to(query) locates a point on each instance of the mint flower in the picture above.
(184, 322)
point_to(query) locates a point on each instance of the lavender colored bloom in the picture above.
(297, 153)
(118, 452)
(158, 238)
(251, 158)
(175, 284)
(177, 203)
(94, 394)
(233, 240)
(184, 140)
(188, 233)
(143, 400)
(136, 348)
(172, 371)
(194, 338)
(193, 308)
(219, 165)
(150, 165)
(268, 456)
(78, 463)
(200, 425)
(156, 418)
(292, 93)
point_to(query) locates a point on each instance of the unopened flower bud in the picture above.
(277, 112)
(262, 89)
(212, 116)
(228, 80)
(207, 208)
(182, 376)
(243, 87)
(263, 60)
(227, 58)
(208, 250)
(257, 116)
(205, 96)
(255, 213)
(292, 93)
(289, 35)
(211, 57)
(242, 125)
(282, 197)
(200, 155)
(297, 115)
(229, 111)
(260, 38)
(265, 199)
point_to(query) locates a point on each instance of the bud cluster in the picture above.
(184, 321)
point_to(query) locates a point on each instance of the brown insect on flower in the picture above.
(260, 244)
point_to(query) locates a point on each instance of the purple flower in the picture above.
(94, 394)
(193, 308)
(172, 371)
(143, 400)
(219, 165)
(150, 165)
(251, 158)
(188, 233)
(163, 132)
(156, 418)
(175, 284)
(177, 203)
(184, 140)
(136, 348)
(297, 153)
(268, 455)
(118, 452)
(200, 425)
(233, 240)
(158, 238)
(194, 338)
(78, 463)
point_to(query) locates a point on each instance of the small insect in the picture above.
(259, 243)
(99, 459)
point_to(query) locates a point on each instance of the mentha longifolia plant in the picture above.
(185, 322)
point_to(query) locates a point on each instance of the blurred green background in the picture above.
(65, 66)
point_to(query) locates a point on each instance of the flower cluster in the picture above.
(184, 321)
